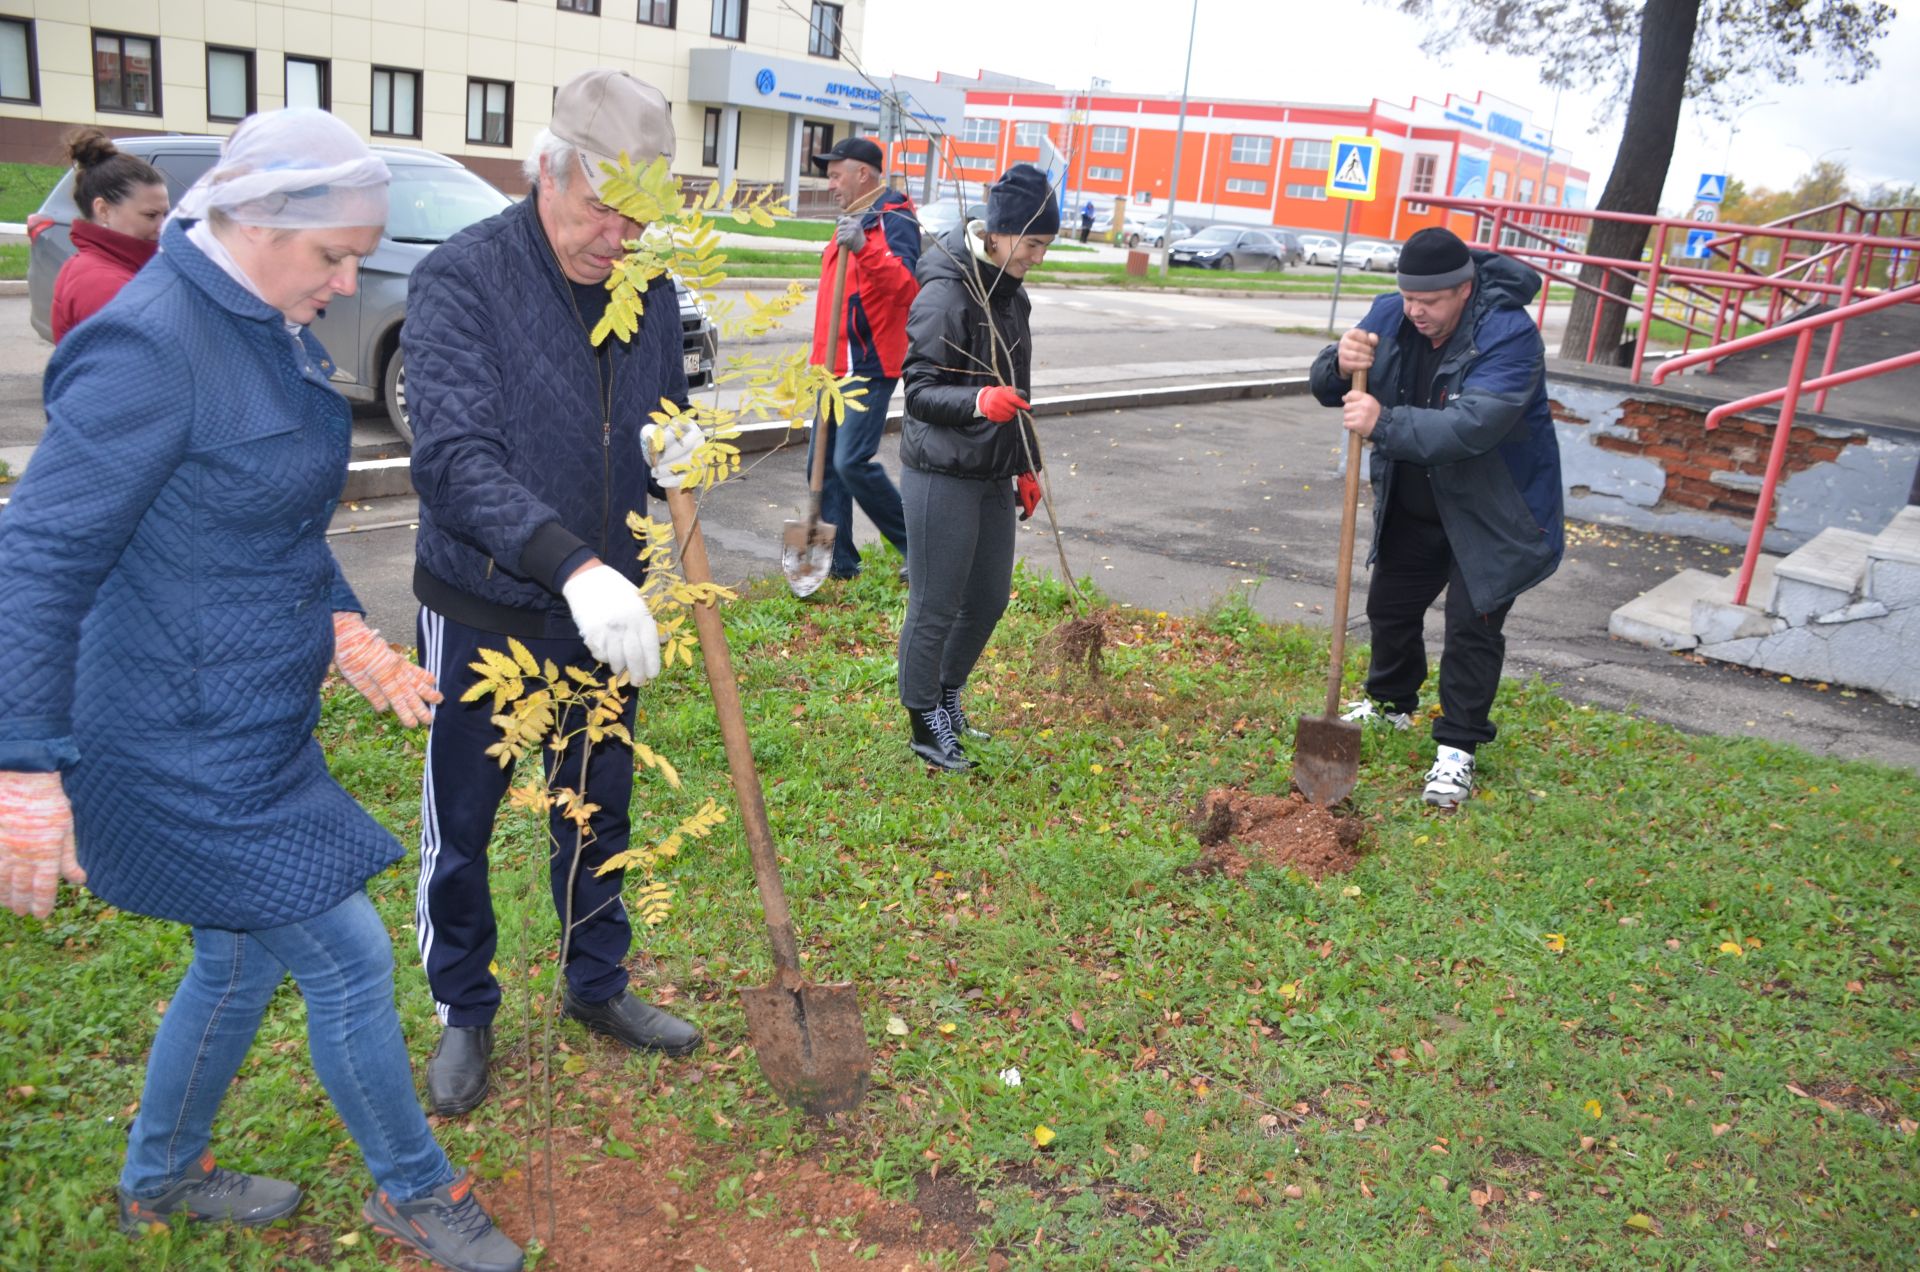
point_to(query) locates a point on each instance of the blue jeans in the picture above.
(854, 475)
(343, 963)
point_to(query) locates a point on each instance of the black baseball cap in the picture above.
(858, 149)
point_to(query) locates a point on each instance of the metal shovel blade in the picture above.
(811, 1042)
(1326, 759)
(806, 555)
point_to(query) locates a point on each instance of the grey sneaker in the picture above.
(1370, 714)
(448, 1226)
(209, 1193)
(1450, 780)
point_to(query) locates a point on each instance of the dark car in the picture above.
(1296, 251)
(1225, 247)
(431, 199)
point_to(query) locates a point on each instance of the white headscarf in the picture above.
(295, 169)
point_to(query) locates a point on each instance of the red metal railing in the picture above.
(1788, 395)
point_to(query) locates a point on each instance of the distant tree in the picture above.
(1656, 56)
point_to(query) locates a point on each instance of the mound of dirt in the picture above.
(1238, 830)
(616, 1215)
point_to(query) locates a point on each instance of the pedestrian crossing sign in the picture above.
(1713, 188)
(1353, 171)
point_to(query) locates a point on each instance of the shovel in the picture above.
(1326, 749)
(810, 1039)
(806, 547)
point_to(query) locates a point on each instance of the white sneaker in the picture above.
(1450, 780)
(1367, 712)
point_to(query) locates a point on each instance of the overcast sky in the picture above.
(1349, 54)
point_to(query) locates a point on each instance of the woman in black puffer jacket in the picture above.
(967, 452)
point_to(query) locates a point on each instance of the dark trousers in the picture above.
(960, 558)
(1415, 563)
(854, 476)
(461, 791)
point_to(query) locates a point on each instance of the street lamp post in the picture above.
(1179, 137)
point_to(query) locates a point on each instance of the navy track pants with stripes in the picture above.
(460, 795)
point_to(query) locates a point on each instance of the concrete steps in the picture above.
(1844, 608)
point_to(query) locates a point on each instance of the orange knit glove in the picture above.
(36, 842)
(383, 677)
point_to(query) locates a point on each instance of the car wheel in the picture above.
(394, 392)
(1133, 240)
(1227, 263)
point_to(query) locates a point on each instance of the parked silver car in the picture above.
(1153, 233)
(1319, 249)
(432, 198)
(1369, 255)
(1227, 248)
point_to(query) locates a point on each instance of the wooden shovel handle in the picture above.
(1343, 584)
(733, 733)
(817, 478)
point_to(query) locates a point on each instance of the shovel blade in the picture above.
(806, 555)
(1326, 759)
(812, 1044)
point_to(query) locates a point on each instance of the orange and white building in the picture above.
(1262, 163)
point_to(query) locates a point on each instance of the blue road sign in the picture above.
(1354, 172)
(1713, 188)
(1697, 241)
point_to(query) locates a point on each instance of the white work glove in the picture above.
(36, 842)
(667, 449)
(850, 233)
(614, 621)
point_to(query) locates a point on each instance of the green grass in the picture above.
(1265, 1073)
(13, 260)
(1671, 334)
(790, 228)
(24, 187)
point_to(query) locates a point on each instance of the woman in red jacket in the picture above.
(123, 202)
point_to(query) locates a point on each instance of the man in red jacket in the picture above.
(878, 231)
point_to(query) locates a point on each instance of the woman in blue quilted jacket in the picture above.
(172, 606)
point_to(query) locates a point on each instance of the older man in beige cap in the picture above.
(528, 456)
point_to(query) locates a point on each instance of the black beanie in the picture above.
(1434, 260)
(1022, 202)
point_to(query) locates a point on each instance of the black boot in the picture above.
(457, 1069)
(933, 740)
(950, 700)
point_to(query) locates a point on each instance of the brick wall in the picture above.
(1718, 471)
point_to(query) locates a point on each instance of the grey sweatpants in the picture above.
(960, 570)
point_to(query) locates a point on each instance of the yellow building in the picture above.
(469, 78)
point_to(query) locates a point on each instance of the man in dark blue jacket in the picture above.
(1466, 482)
(528, 456)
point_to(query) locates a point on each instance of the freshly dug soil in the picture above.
(1238, 830)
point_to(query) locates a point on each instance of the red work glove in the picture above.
(36, 842)
(382, 676)
(1026, 488)
(999, 403)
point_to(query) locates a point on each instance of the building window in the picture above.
(1108, 140)
(1251, 150)
(823, 30)
(1499, 187)
(1029, 134)
(126, 73)
(489, 112)
(1242, 185)
(1553, 195)
(396, 102)
(581, 6)
(816, 138)
(730, 19)
(1424, 168)
(979, 163)
(1311, 193)
(19, 76)
(229, 83)
(657, 13)
(1105, 174)
(1311, 154)
(983, 131)
(1526, 189)
(309, 82)
(710, 138)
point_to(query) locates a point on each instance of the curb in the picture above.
(13, 286)
(390, 478)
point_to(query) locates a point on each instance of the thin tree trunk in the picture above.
(1639, 168)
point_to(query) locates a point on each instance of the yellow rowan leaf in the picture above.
(1043, 1135)
(947, 1028)
(1733, 947)
(1593, 1109)
(1557, 942)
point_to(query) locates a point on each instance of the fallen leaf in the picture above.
(1641, 1223)
(896, 1026)
(1155, 1119)
(1721, 1128)
(1593, 1108)
(1079, 1025)
(1557, 942)
(1733, 947)
(1043, 1135)
(1479, 1198)
(1294, 1191)
(947, 1027)
(348, 1239)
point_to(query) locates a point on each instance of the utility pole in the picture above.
(1179, 137)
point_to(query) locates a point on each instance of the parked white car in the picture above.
(1369, 255)
(1319, 249)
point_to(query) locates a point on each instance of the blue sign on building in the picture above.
(764, 81)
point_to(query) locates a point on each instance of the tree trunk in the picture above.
(1639, 170)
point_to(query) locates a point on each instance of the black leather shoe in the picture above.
(934, 741)
(957, 716)
(457, 1070)
(632, 1023)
